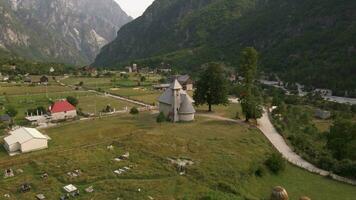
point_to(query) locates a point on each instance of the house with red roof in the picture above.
(62, 110)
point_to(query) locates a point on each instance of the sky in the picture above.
(134, 8)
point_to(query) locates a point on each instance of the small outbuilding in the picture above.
(44, 80)
(322, 114)
(5, 118)
(25, 140)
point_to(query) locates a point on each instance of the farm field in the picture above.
(143, 94)
(16, 89)
(89, 102)
(105, 83)
(234, 154)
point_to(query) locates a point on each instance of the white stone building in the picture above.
(176, 104)
(24, 140)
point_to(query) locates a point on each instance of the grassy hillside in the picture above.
(224, 170)
(303, 41)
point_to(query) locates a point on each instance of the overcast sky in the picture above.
(134, 8)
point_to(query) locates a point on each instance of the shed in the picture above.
(24, 140)
(322, 114)
(5, 118)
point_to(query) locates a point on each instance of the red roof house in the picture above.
(62, 110)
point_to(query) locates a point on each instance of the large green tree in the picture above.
(250, 98)
(212, 88)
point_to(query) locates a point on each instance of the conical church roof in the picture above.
(176, 85)
(186, 106)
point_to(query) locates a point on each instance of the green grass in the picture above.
(224, 154)
(228, 111)
(144, 94)
(89, 102)
(112, 82)
(96, 103)
(16, 89)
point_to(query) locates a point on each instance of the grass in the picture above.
(96, 103)
(228, 111)
(225, 158)
(142, 94)
(15, 89)
(106, 83)
(88, 101)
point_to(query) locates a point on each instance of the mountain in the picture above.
(311, 42)
(68, 31)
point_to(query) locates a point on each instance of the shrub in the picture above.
(72, 100)
(275, 163)
(160, 118)
(260, 171)
(134, 111)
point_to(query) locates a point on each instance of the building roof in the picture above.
(23, 135)
(61, 106)
(182, 79)
(176, 85)
(5, 118)
(186, 102)
(186, 106)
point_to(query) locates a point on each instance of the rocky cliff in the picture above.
(69, 31)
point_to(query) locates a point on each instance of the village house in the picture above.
(185, 81)
(44, 80)
(5, 118)
(27, 79)
(62, 110)
(161, 86)
(322, 114)
(25, 140)
(324, 92)
(176, 104)
(87, 70)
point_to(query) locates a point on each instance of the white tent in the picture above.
(24, 140)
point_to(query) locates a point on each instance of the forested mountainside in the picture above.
(311, 42)
(68, 31)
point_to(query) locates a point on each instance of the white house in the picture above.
(24, 140)
(176, 104)
(62, 110)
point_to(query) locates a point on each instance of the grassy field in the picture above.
(112, 82)
(143, 94)
(96, 103)
(225, 157)
(23, 89)
(228, 111)
(89, 102)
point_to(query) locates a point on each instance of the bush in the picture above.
(72, 100)
(160, 118)
(134, 111)
(260, 171)
(275, 163)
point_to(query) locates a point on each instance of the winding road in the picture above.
(268, 130)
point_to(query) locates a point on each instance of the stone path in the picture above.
(267, 128)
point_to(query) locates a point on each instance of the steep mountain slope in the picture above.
(311, 42)
(70, 31)
(170, 25)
